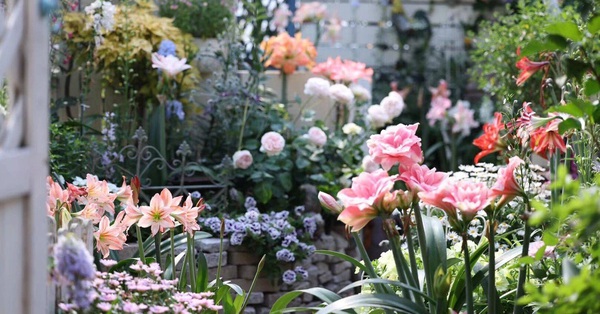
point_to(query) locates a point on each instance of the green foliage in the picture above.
(496, 45)
(201, 18)
(69, 152)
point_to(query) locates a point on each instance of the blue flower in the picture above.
(255, 228)
(299, 210)
(282, 215)
(274, 233)
(195, 194)
(167, 48)
(250, 202)
(285, 255)
(237, 238)
(252, 215)
(302, 272)
(310, 225)
(288, 240)
(175, 107)
(289, 277)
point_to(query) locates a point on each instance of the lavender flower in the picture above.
(250, 202)
(255, 228)
(310, 225)
(167, 48)
(299, 210)
(237, 238)
(282, 215)
(289, 277)
(285, 255)
(175, 107)
(239, 227)
(265, 218)
(274, 233)
(252, 215)
(289, 239)
(302, 272)
(75, 265)
(196, 194)
(229, 225)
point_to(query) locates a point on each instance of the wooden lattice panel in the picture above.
(23, 158)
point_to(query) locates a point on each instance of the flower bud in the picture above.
(330, 203)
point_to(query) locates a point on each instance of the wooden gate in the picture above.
(24, 59)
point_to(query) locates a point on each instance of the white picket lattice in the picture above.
(23, 158)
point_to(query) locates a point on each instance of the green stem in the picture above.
(241, 138)
(453, 161)
(492, 266)
(319, 33)
(379, 288)
(192, 263)
(284, 86)
(138, 231)
(518, 309)
(157, 241)
(172, 234)
(468, 283)
(423, 245)
(302, 109)
(411, 253)
(220, 253)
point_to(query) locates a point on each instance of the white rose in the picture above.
(272, 143)
(317, 136)
(242, 159)
(316, 86)
(377, 116)
(360, 92)
(393, 104)
(352, 129)
(369, 165)
(341, 93)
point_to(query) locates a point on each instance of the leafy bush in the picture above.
(69, 152)
(201, 18)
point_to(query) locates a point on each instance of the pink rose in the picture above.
(360, 200)
(419, 178)
(317, 136)
(397, 144)
(506, 185)
(242, 159)
(272, 143)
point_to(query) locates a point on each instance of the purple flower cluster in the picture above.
(121, 292)
(74, 266)
(290, 276)
(285, 255)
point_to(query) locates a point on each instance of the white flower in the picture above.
(360, 92)
(341, 93)
(369, 165)
(463, 118)
(352, 129)
(272, 143)
(377, 116)
(170, 64)
(393, 104)
(242, 159)
(317, 136)
(316, 86)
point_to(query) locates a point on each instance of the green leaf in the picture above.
(201, 274)
(285, 179)
(302, 163)
(594, 24)
(386, 301)
(568, 125)
(576, 68)
(387, 282)
(169, 273)
(321, 293)
(591, 87)
(567, 30)
(550, 43)
(345, 257)
(263, 192)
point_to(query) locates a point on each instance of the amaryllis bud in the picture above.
(136, 187)
(330, 203)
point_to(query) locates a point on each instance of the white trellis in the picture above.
(24, 158)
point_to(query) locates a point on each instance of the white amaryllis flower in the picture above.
(341, 93)
(316, 86)
(171, 65)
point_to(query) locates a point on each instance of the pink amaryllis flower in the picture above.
(397, 144)
(110, 237)
(170, 64)
(419, 178)
(506, 186)
(187, 215)
(57, 197)
(98, 193)
(361, 200)
(157, 215)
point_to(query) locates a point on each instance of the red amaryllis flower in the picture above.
(528, 68)
(545, 140)
(490, 142)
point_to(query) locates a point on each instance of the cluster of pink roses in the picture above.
(163, 212)
(373, 194)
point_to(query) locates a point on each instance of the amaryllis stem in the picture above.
(518, 309)
(492, 266)
(423, 245)
(157, 241)
(140, 243)
(468, 283)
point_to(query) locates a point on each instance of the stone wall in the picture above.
(239, 265)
